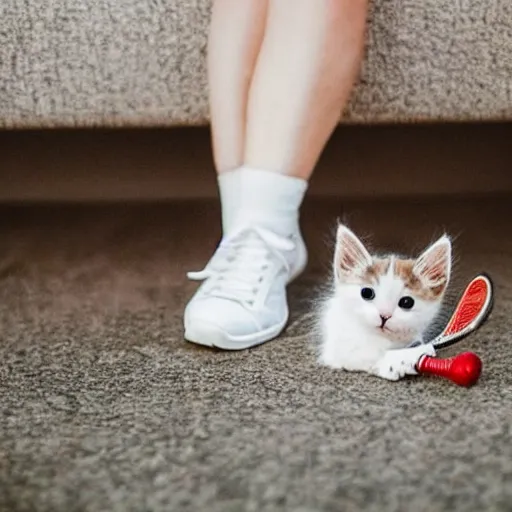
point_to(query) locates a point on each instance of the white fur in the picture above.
(395, 364)
(352, 337)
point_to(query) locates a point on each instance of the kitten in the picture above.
(380, 303)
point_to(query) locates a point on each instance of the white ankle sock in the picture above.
(270, 200)
(229, 191)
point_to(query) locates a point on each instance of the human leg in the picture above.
(306, 68)
(295, 100)
(236, 33)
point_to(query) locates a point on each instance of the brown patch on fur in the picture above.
(378, 268)
(404, 270)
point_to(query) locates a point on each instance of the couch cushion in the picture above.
(142, 62)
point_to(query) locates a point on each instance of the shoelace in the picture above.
(237, 272)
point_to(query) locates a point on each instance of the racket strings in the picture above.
(469, 308)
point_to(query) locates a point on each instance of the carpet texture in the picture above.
(142, 63)
(104, 407)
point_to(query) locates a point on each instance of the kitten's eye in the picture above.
(406, 303)
(368, 293)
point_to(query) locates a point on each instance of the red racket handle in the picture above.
(463, 369)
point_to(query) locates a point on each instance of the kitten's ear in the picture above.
(350, 256)
(433, 267)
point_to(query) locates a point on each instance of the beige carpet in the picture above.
(142, 62)
(104, 407)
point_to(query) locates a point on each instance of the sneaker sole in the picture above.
(211, 335)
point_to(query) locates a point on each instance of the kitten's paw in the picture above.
(387, 372)
(388, 368)
(402, 362)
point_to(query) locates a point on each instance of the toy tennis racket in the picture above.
(472, 310)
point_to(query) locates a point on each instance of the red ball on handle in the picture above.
(464, 369)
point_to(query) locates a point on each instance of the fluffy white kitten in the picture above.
(380, 303)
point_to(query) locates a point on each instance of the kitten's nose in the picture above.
(384, 319)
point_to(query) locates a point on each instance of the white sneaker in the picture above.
(242, 302)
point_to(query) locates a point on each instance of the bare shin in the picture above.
(308, 62)
(236, 32)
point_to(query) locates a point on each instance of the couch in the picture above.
(107, 63)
